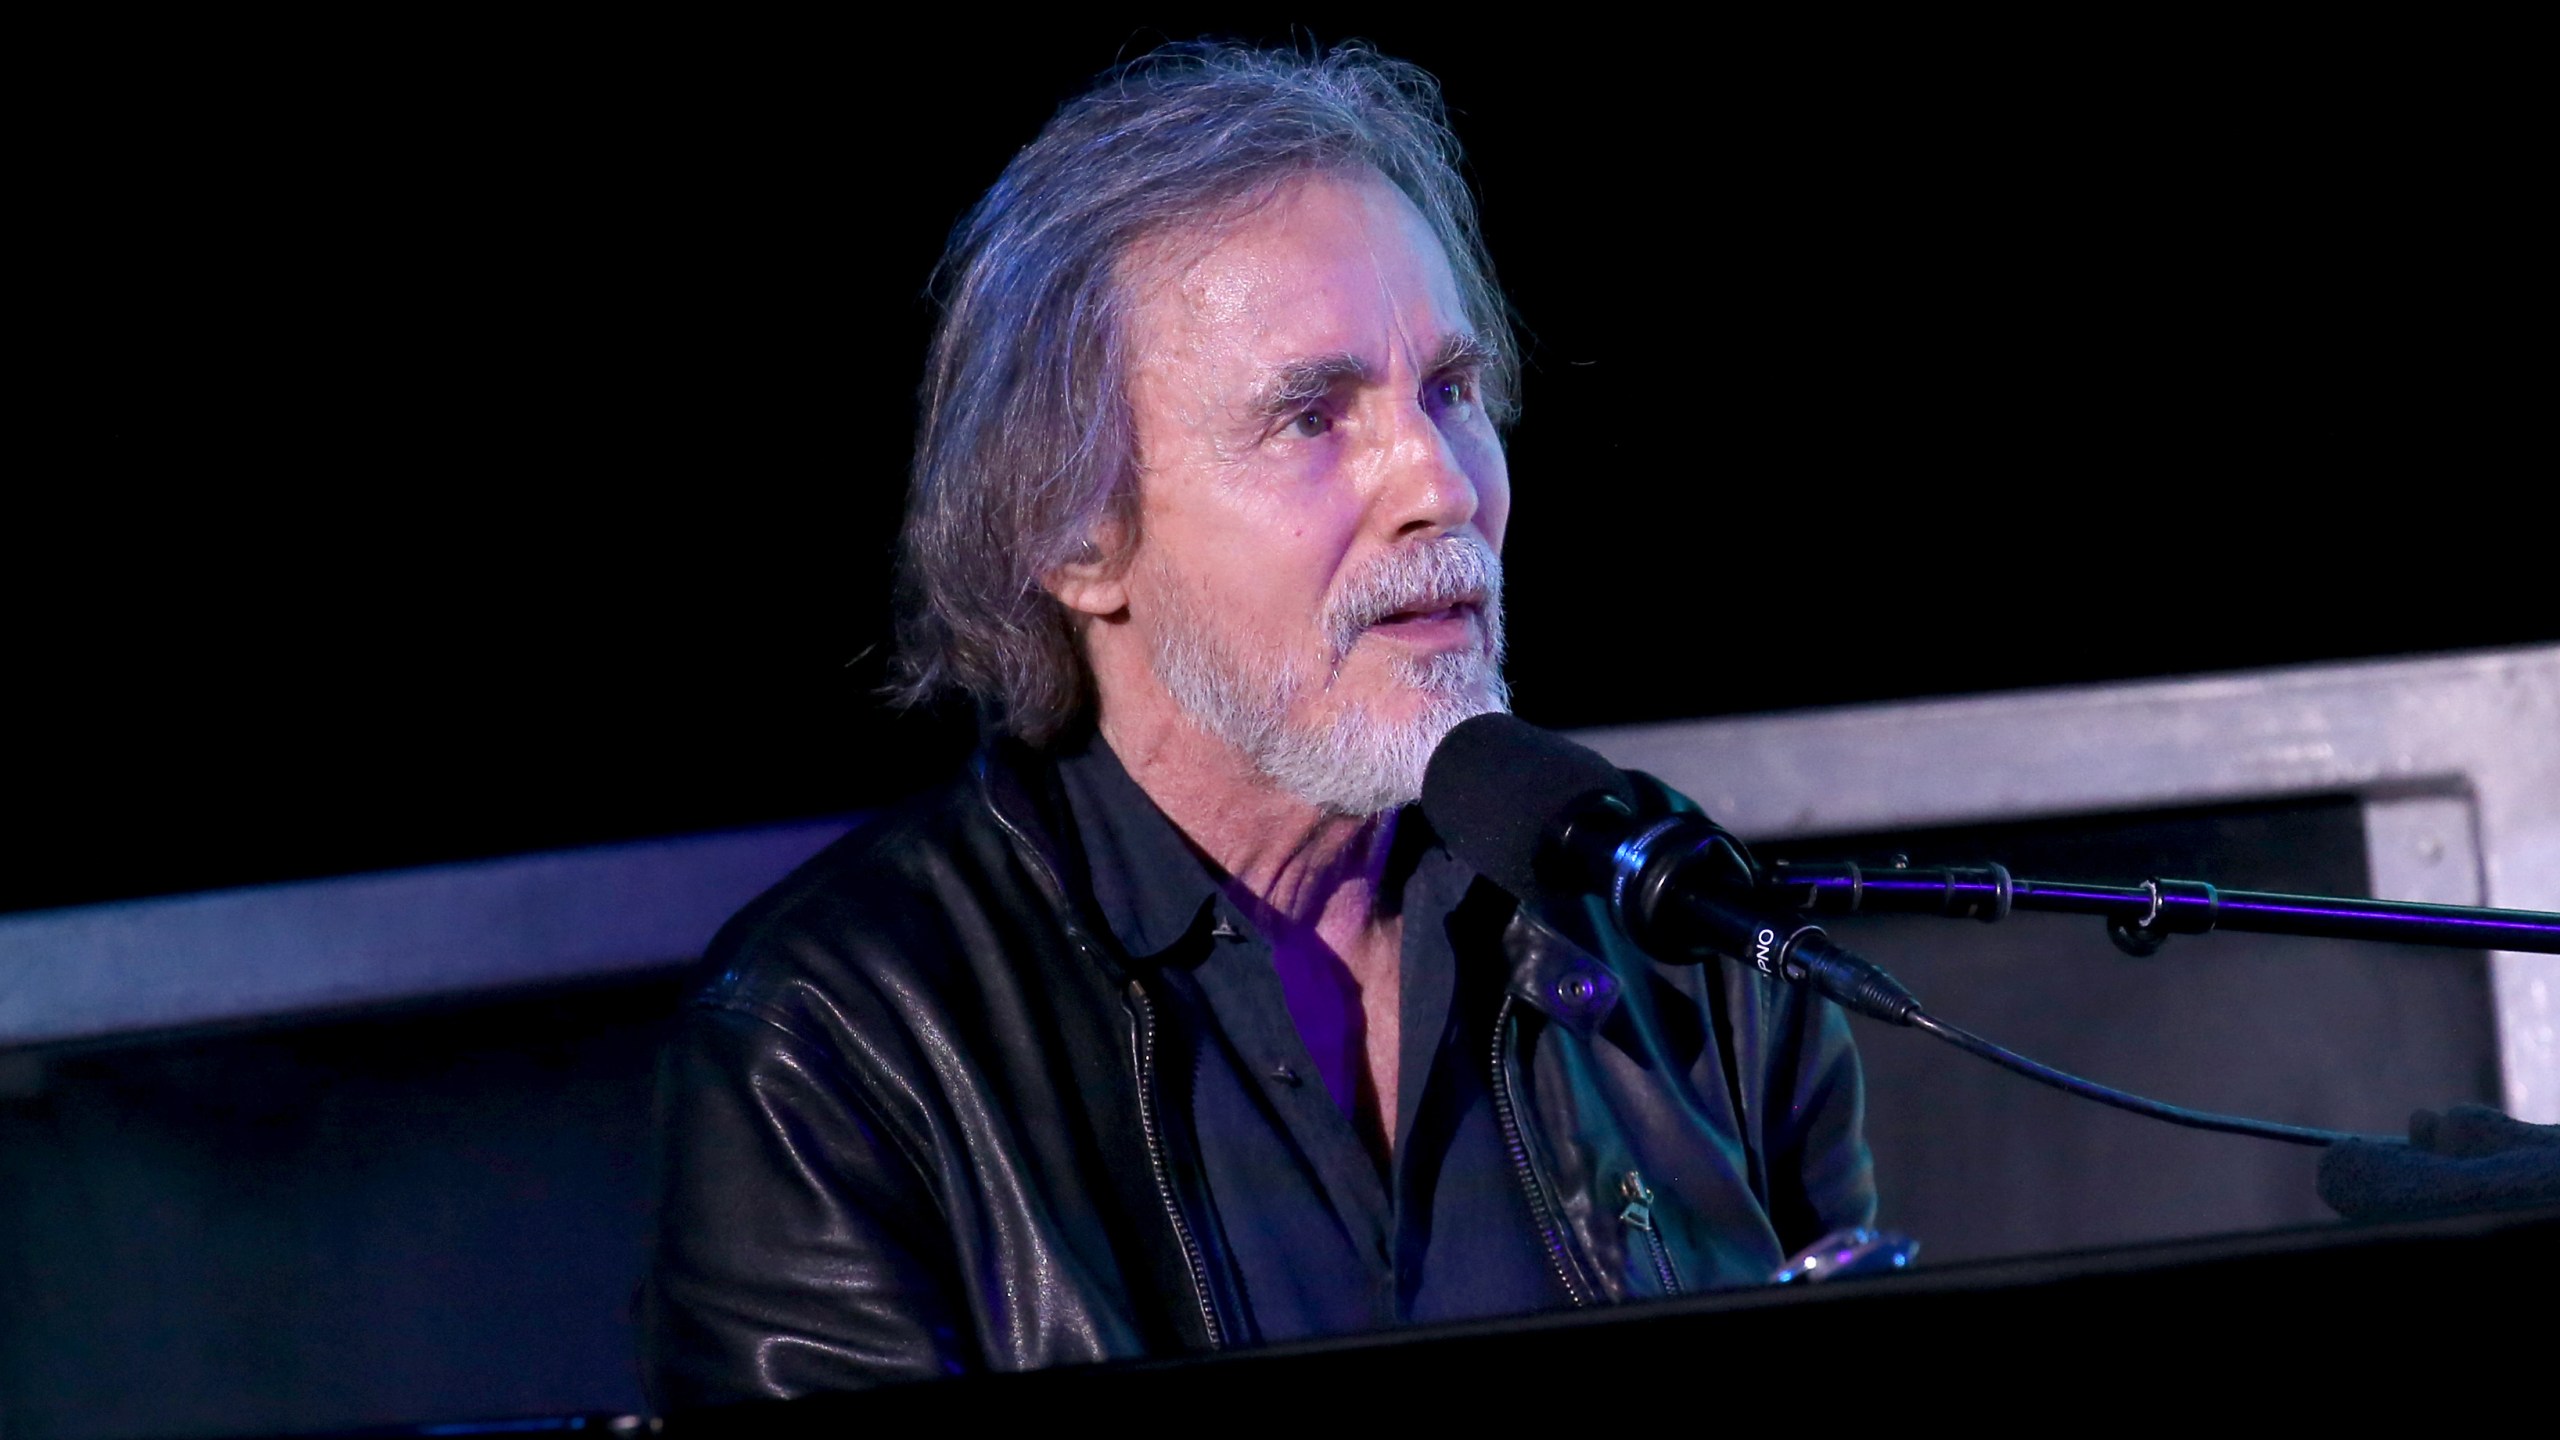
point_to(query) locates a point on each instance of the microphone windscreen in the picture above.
(1495, 785)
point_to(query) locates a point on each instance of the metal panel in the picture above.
(2458, 758)
(281, 951)
(2423, 848)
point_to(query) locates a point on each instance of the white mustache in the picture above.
(1458, 569)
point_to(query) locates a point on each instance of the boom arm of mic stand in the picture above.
(2141, 918)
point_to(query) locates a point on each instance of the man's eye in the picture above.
(1311, 424)
(1451, 393)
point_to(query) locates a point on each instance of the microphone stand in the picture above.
(2141, 918)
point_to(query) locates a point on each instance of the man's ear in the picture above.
(1094, 581)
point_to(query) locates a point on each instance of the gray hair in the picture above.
(1025, 457)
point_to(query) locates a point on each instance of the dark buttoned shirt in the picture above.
(1325, 1238)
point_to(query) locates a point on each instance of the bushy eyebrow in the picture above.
(1301, 383)
(1463, 350)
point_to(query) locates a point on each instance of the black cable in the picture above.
(2157, 1110)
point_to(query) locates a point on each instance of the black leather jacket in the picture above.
(914, 1125)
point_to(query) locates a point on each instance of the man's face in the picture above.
(1321, 492)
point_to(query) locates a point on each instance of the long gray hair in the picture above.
(1025, 458)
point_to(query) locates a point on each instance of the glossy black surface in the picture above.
(2128, 1328)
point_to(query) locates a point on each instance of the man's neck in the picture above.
(1304, 867)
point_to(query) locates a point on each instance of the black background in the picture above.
(462, 441)
(460, 438)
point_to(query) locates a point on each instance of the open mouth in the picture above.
(1431, 615)
(1455, 610)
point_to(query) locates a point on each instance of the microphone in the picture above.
(1548, 819)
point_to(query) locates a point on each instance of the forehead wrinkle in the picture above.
(1402, 333)
(1217, 315)
(1395, 235)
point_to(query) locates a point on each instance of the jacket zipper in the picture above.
(1639, 1216)
(1506, 1113)
(1144, 1046)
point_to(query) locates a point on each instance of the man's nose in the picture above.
(1428, 490)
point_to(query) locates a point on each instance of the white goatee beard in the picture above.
(1357, 763)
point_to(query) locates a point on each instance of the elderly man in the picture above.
(1171, 1026)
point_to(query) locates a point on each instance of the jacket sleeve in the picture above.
(1822, 1176)
(799, 1248)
